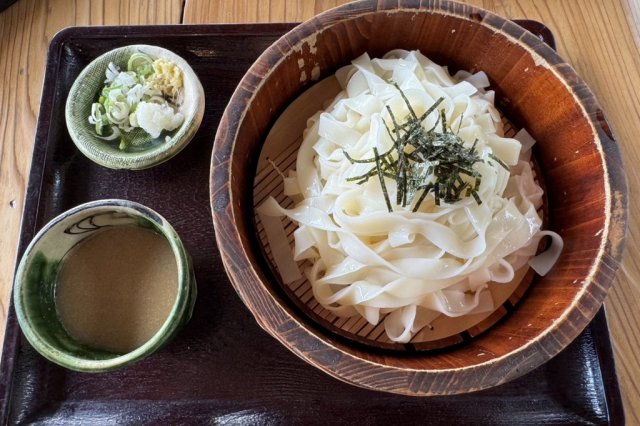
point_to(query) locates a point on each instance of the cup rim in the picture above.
(170, 325)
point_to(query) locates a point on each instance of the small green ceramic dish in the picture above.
(34, 285)
(86, 90)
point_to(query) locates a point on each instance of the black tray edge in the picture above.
(601, 336)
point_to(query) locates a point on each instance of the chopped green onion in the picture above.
(141, 64)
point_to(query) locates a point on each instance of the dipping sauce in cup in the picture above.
(116, 288)
(103, 285)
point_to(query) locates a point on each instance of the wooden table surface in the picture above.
(600, 38)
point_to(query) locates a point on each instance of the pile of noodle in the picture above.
(407, 268)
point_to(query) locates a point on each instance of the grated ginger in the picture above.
(167, 77)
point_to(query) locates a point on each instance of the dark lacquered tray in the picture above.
(222, 368)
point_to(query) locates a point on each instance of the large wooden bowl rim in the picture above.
(316, 348)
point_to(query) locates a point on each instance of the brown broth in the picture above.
(116, 288)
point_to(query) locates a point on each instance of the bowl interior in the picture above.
(534, 88)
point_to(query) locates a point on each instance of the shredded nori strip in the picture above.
(381, 177)
(499, 161)
(425, 161)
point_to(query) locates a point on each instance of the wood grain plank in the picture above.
(25, 31)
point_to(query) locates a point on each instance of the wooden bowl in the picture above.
(576, 151)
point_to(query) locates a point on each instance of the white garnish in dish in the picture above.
(153, 118)
(154, 86)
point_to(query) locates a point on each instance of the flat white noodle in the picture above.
(404, 267)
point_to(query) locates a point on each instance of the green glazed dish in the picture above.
(86, 90)
(34, 285)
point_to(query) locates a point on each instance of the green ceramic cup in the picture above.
(34, 285)
(86, 90)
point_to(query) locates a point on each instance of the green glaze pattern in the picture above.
(34, 286)
(39, 297)
(145, 152)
